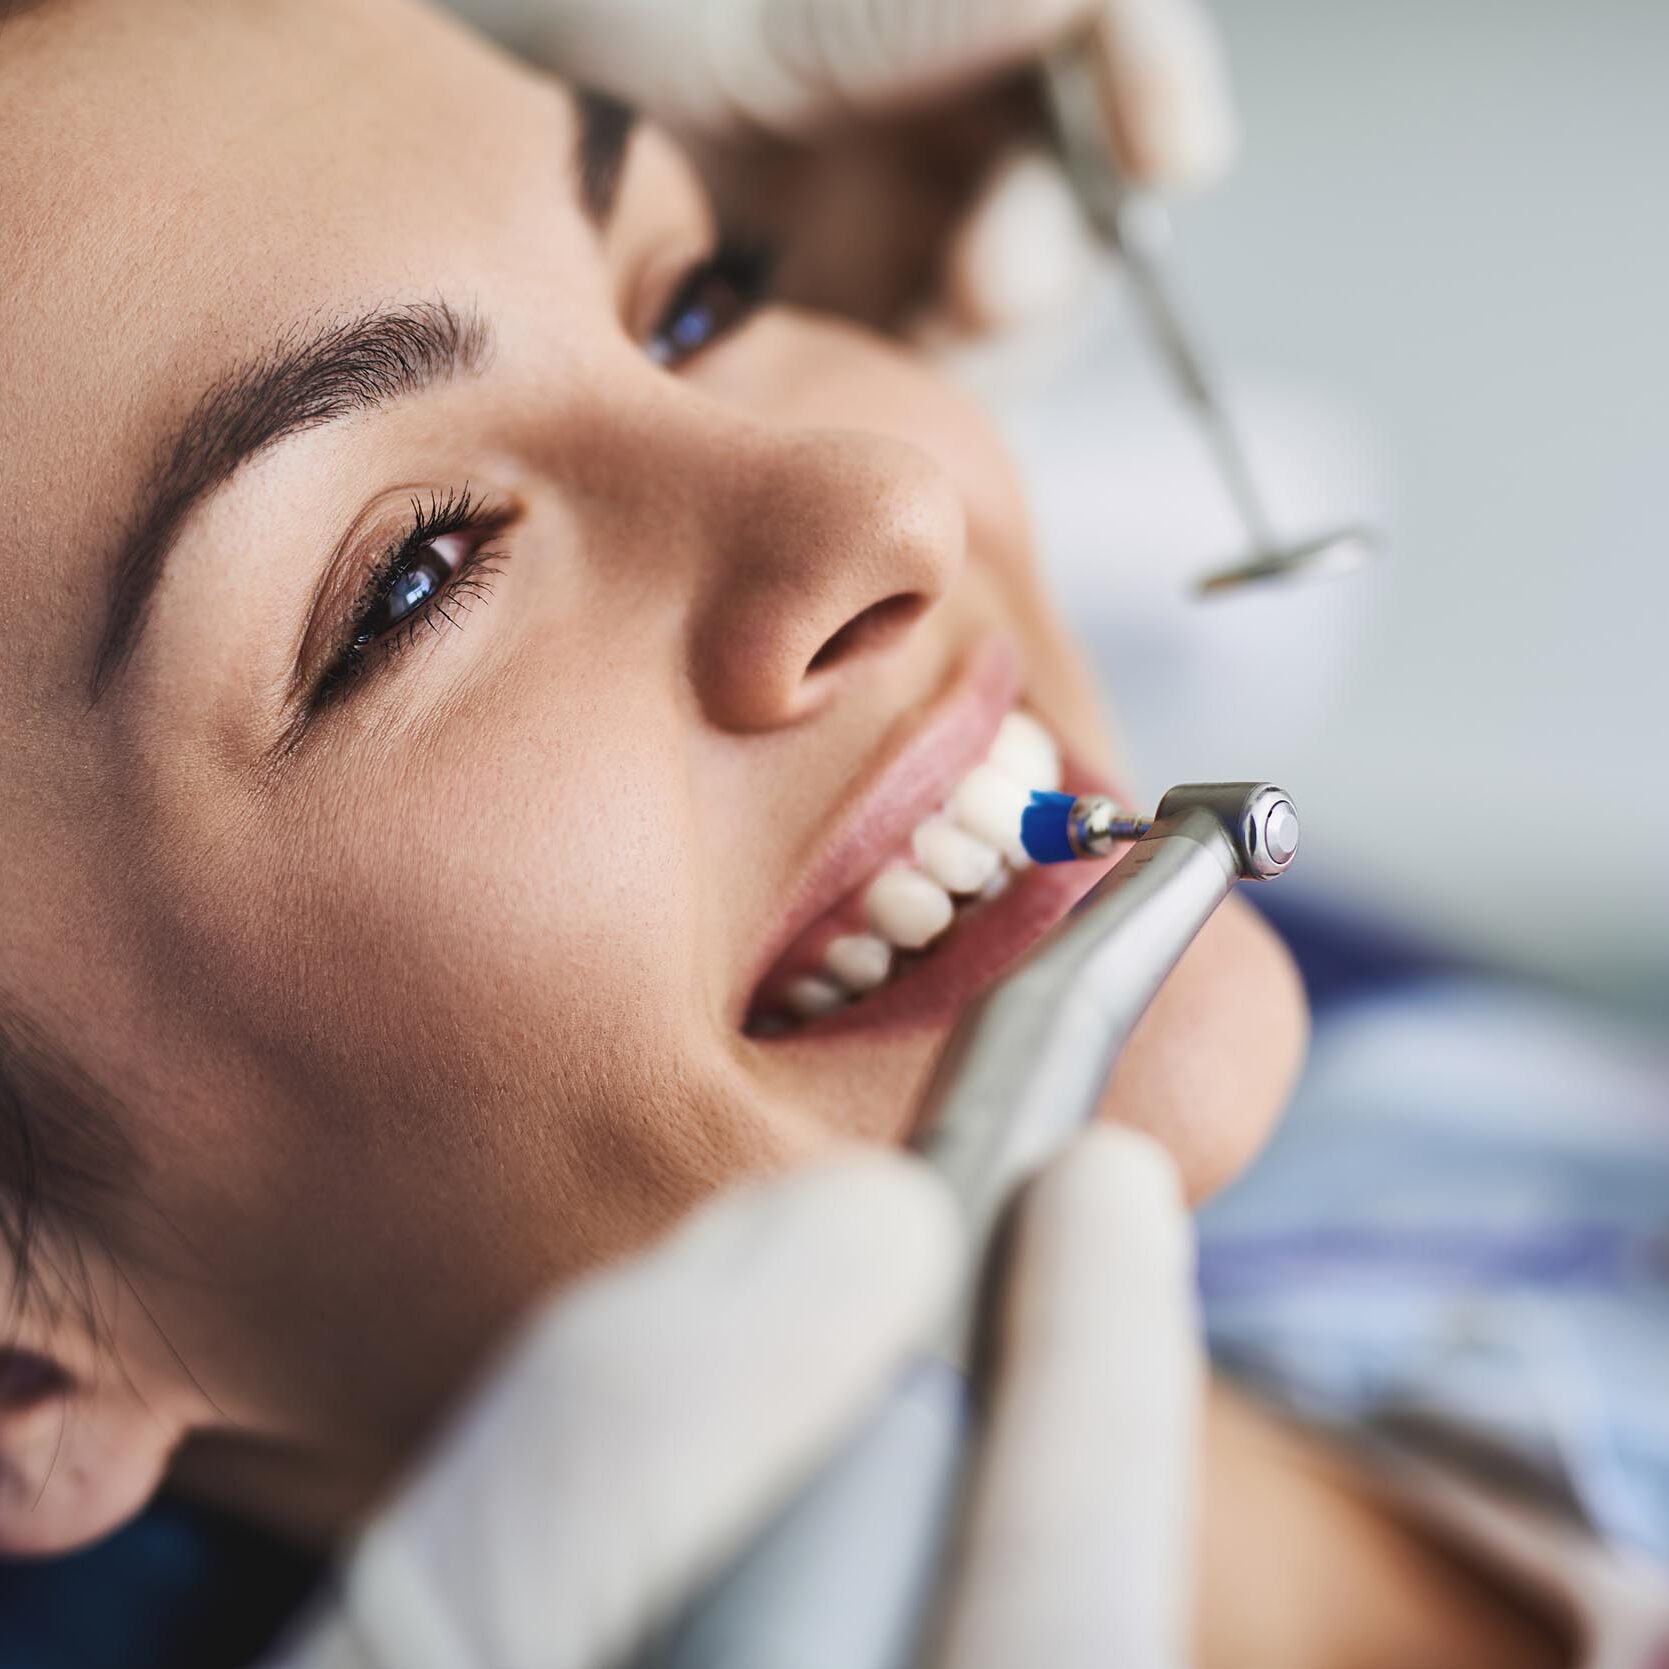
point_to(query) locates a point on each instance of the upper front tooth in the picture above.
(1027, 752)
(907, 909)
(988, 804)
(859, 961)
(953, 858)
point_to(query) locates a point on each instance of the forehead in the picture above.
(182, 182)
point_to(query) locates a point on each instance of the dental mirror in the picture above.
(1135, 229)
(1331, 556)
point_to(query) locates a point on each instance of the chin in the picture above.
(1210, 1068)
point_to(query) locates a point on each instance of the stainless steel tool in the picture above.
(846, 1577)
(1132, 227)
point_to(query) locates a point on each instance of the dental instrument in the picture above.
(1057, 828)
(1134, 228)
(846, 1576)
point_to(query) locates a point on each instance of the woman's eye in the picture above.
(718, 294)
(420, 579)
(442, 567)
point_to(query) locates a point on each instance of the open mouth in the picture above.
(941, 913)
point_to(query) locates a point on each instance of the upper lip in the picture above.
(907, 784)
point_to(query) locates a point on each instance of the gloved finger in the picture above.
(1171, 111)
(1025, 252)
(651, 1418)
(791, 63)
(787, 65)
(1077, 1554)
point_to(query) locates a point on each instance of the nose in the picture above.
(825, 550)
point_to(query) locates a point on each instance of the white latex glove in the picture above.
(651, 1420)
(1019, 249)
(789, 65)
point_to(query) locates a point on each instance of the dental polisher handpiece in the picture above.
(846, 1577)
(1025, 1070)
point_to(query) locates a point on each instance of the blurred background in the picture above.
(1433, 290)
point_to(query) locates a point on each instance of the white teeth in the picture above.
(971, 851)
(988, 805)
(953, 858)
(859, 961)
(1025, 751)
(811, 998)
(907, 909)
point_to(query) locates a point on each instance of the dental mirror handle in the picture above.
(1165, 322)
(847, 1576)
(1132, 225)
(1128, 225)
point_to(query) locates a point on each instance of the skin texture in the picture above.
(414, 1014)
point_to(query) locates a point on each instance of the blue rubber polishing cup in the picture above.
(1043, 828)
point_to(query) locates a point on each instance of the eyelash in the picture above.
(745, 267)
(715, 296)
(439, 519)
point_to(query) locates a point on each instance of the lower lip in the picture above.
(977, 950)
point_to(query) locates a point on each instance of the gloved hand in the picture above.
(788, 66)
(653, 1417)
(802, 70)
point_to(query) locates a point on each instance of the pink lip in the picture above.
(934, 989)
(880, 815)
(911, 781)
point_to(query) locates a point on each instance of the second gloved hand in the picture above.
(889, 144)
(789, 66)
(652, 1419)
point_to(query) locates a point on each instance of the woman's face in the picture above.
(458, 674)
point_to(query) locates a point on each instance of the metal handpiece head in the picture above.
(1259, 821)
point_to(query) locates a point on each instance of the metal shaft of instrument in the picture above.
(847, 1575)
(1152, 291)
(1126, 223)
(1025, 1073)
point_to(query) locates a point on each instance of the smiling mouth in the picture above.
(915, 906)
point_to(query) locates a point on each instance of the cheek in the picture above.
(1214, 1060)
(504, 876)
(477, 966)
(456, 1023)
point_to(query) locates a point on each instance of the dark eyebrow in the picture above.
(312, 378)
(606, 125)
(304, 381)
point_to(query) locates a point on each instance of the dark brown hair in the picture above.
(63, 1160)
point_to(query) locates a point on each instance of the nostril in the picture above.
(873, 629)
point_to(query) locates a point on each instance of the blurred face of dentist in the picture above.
(466, 660)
